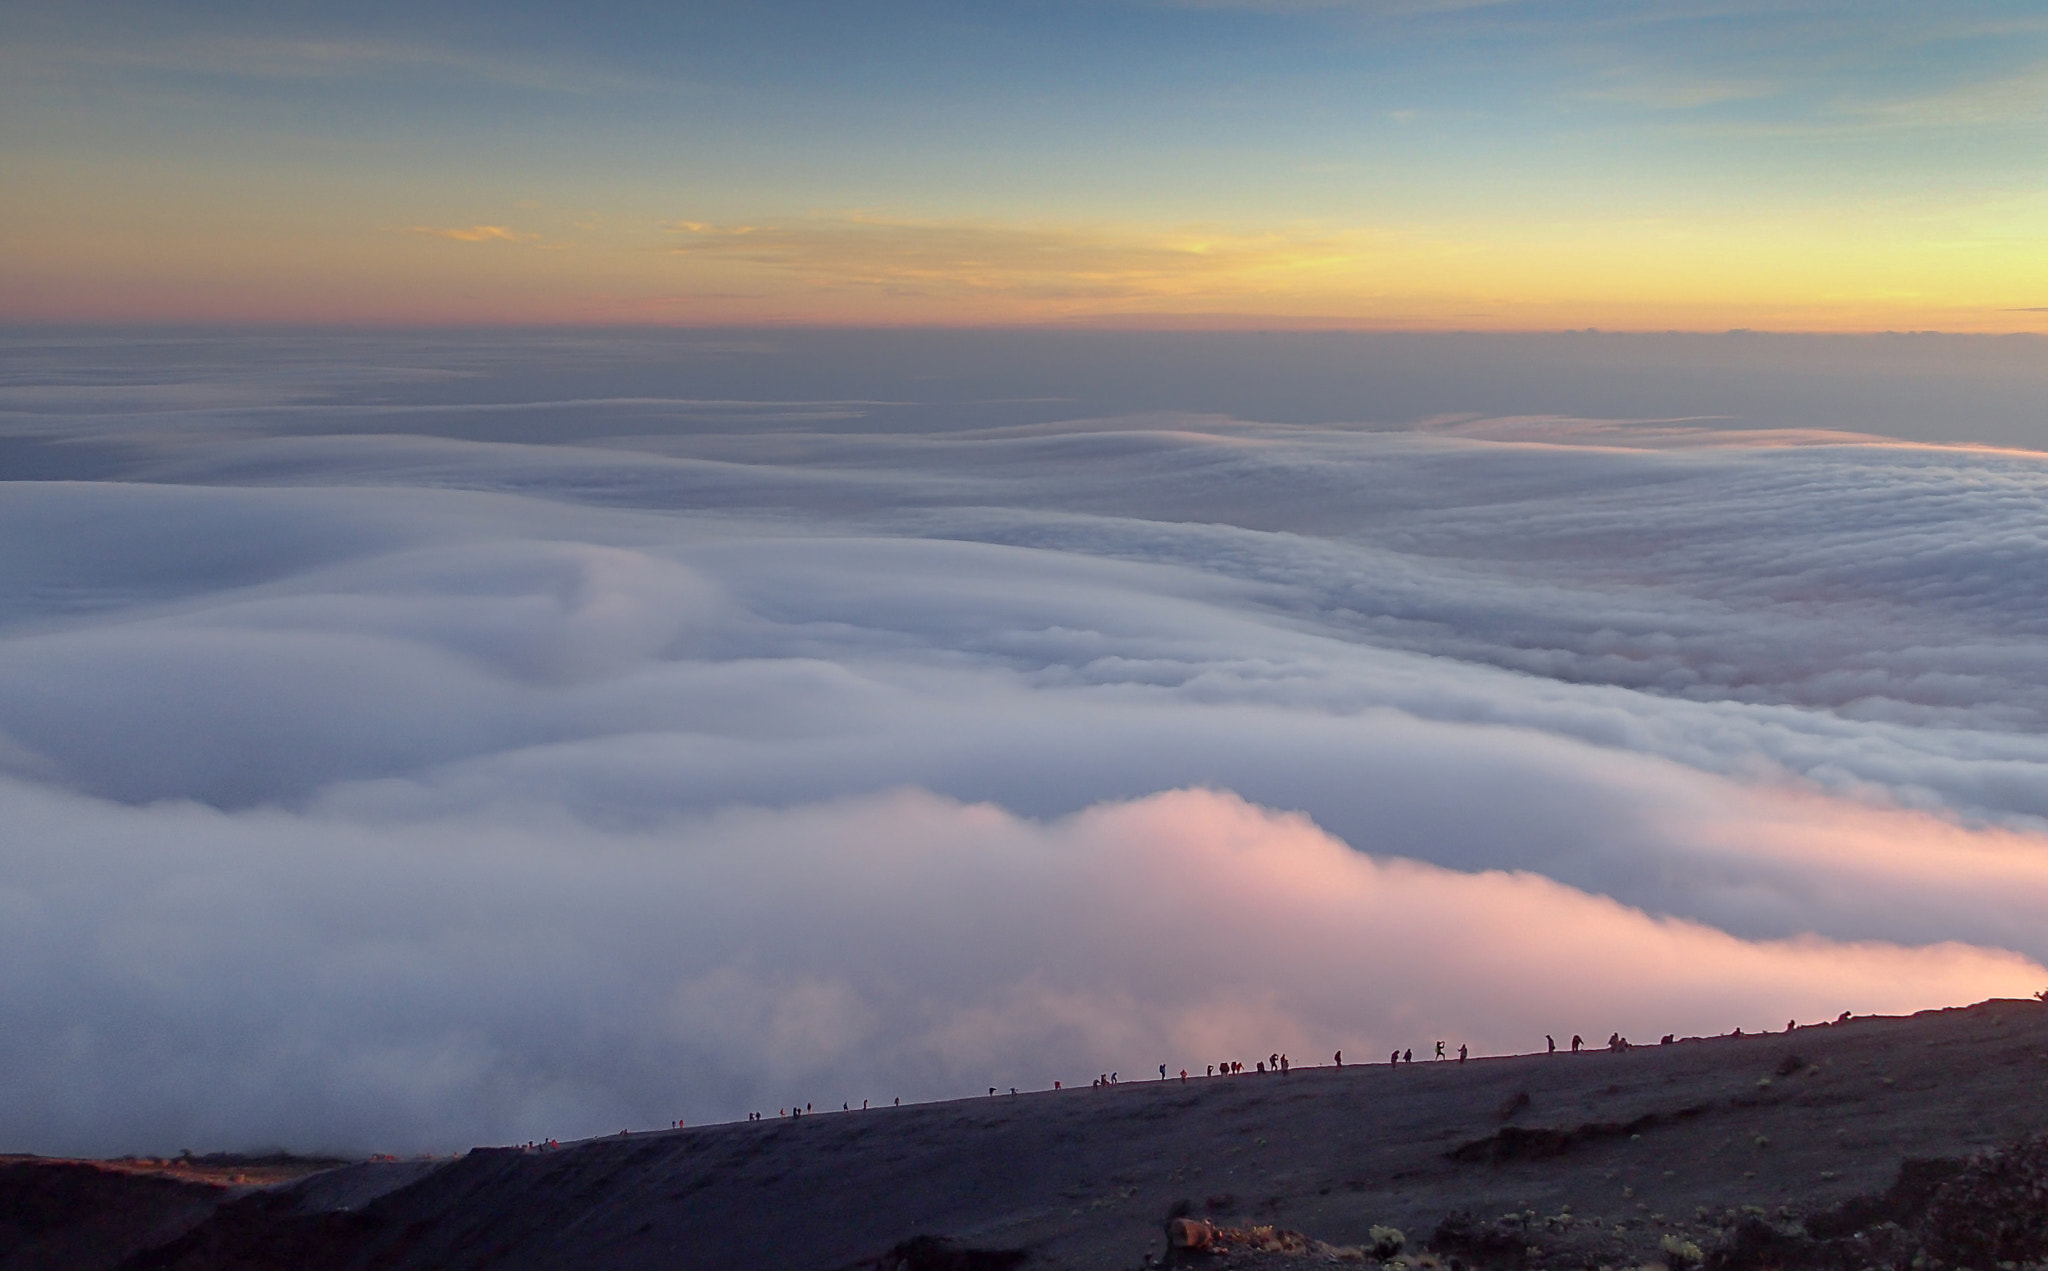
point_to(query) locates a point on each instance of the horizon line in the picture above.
(1282, 327)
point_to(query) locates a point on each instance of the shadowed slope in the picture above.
(1666, 1140)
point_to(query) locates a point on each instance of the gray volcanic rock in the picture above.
(76, 1216)
(354, 1186)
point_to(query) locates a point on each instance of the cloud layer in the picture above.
(181, 975)
(387, 775)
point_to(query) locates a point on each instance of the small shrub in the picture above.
(1386, 1242)
(1682, 1252)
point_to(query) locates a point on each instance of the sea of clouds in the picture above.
(404, 745)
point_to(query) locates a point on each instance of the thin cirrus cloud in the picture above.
(400, 776)
(1663, 89)
(2018, 100)
(1048, 262)
(312, 60)
(476, 233)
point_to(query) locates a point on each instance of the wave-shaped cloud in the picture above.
(398, 790)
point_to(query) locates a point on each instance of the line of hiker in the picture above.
(1277, 1062)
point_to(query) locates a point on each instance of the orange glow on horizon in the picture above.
(861, 269)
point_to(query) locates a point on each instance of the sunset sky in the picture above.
(1827, 165)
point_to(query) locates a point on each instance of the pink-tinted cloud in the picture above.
(477, 234)
(508, 973)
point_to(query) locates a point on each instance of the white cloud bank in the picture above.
(514, 973)
(388, 791)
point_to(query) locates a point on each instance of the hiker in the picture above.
(1284, 1065)
(1408, 1056)
(1013, 1092)
(1395, 1060)
(1274, 1062)
(1790, 1025)
(899, 1098)
(1668, 1039)
(1614, 1041)
(1461, 1052)
(991, 1092)
(863, 1105)
(1552, 1042)
(1843, 1018)
(1211, 1072)
(1340, 1059)
(1577, 1041)
(1439, 1050)
(1261, 1065)
(1183, 1076)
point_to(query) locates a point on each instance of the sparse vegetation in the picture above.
(1387, 1241)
